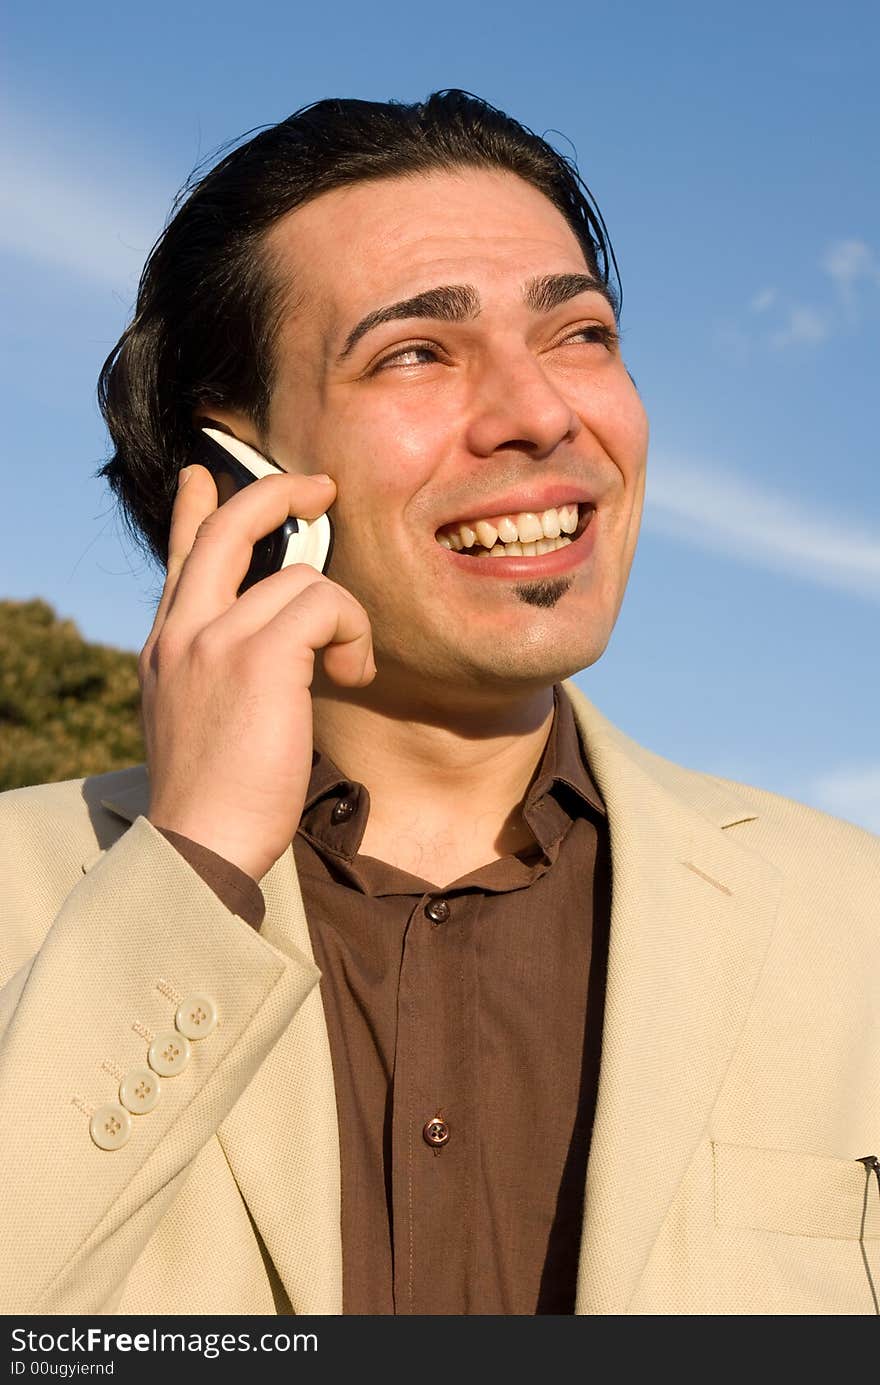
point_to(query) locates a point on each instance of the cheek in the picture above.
(389, 453)
(618, 420)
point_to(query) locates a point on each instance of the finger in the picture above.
(262, 602)
(196, 499)
(223, 545)
(324, 616)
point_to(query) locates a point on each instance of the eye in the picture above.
(406, 356)
(596, 334)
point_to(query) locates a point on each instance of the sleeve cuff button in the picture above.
(139, 1091)
(169, 1053)
(196, 1018)
(110, 1126)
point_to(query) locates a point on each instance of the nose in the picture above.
(515, 405)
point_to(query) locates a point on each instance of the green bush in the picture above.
(67, 708)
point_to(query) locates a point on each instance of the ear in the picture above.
(231, 421)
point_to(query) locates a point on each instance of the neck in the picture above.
(464, 764)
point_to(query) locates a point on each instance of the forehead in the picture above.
(354, 248)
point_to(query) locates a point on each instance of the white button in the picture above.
(196, 1017)
(169, 1053)
(139, 1091)
(110, 1126)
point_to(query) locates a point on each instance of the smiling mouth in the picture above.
(524, 535)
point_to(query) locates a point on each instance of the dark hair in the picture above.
(209, 304)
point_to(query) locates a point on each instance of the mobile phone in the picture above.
(234, 464)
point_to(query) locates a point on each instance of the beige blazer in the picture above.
(740, 1076)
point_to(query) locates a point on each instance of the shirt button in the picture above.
(436, 1132)
(110, 1126)
(139, 1091)
(196, 1017)
(169, 1054)
(437, 911)
(342, 811)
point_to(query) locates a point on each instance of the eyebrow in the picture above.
(461, 303)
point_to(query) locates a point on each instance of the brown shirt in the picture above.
(464, 1027)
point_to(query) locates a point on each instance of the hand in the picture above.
(225, 680)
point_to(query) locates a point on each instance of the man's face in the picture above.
(505, 396)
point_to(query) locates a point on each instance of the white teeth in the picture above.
(528, 527)
(521, 550)
(486, 533)
(523, 529)
(527, 550)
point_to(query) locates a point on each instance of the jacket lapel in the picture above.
(281, 1138)
(692, 913)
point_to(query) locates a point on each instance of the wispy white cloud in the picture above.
(854, 270)
(70, 204)
(719, 511)
(763, 300)
(802, 327)
(848, 261)
(852, 267)
(851, 792)
(55, 217)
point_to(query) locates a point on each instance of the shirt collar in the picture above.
(563, 787)
(336, 808)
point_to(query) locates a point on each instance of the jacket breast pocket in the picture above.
(795, 1193)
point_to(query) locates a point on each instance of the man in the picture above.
(311, 1020)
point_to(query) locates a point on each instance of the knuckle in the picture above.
(144, 663)
(319, 592)
(326, 592)
(210, 527)
(317, 583)
(206, 645)
(165, 652)
(301, 578)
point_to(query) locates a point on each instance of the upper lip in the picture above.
(551, 496)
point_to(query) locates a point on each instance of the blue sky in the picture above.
(732, 150)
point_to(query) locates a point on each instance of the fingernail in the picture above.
(323, 478)
(183, 476)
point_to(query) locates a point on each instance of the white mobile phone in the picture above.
(235, 464)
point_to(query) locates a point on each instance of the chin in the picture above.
(531, 646)
(528, 667)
